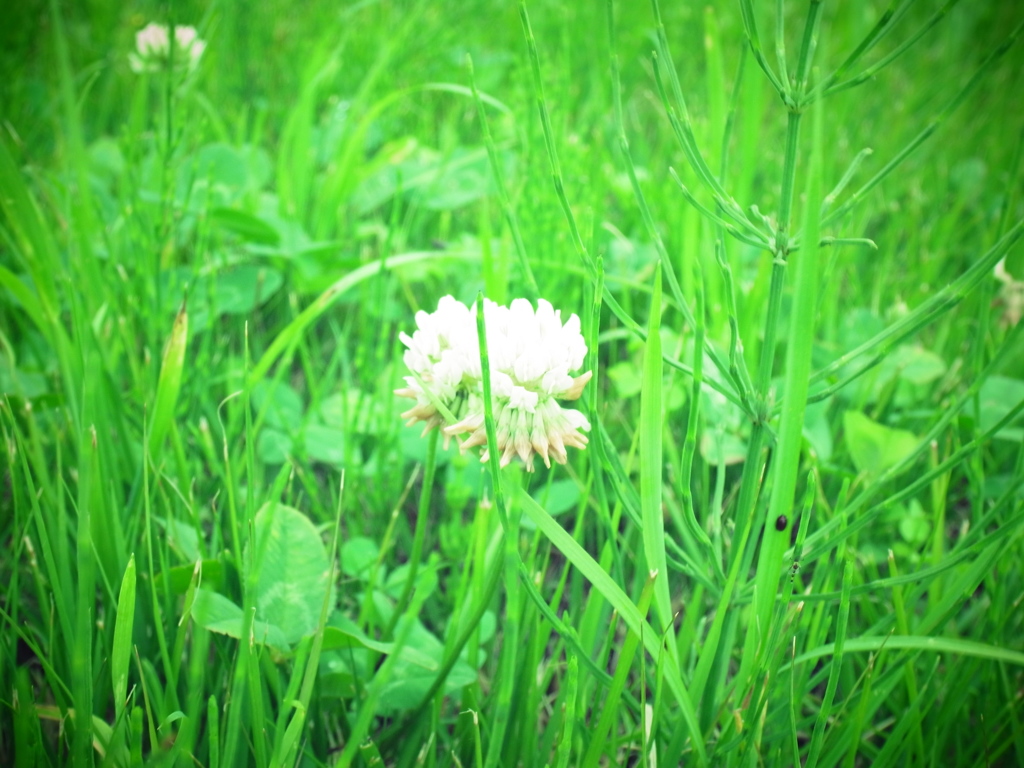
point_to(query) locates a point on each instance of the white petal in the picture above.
(502, 385)
(523, 398)
(576, 419)
(556, 381)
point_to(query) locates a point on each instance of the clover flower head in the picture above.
(532, 356)
(1011, 295)
(153, 48)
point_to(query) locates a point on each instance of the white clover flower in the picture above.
(1011, 295)
(153, 47)
(532, 355)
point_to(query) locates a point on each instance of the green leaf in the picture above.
(27, 385)
(413, 446)
(431, 179)
(182, 537)
(999, 395)
(426, 581)
(106, 159)
(336, 638)
(289, 335)
(411, 677)
(218, 614)
(325, 444)
(874, 447)
(246, 226)
(818, 430)
(292, 570)
(355, 410)
(726, 428)
(279, 403)
(918, 365)
(626, 378)
(560, 497)
(26, 298)
(273, 446)
(337, 685)
(221, 165)
(458, 179)
(240, 290)
(358, 556)
(27, 735)
(914, 524)
(180, 576)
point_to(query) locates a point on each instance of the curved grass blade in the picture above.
(618, 599)
(285, 342)
(169, 384)
(928, 130)
(950, 645)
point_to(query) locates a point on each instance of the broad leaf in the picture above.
(292, 570)
(875, 447)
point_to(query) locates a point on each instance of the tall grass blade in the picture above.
(169, 384)
(121, 652)
(651, 425)
(618, 599)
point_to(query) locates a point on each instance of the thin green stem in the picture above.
(499, 179)
(807, 48)
(931, 128)
(788, 179)
(830, 86)
(882, 27)
(754, 40)
(780, 42)
(934, 307)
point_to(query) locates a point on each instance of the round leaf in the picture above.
(292, 571)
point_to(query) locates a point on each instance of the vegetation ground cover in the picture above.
(790, 232)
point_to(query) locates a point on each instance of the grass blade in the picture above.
(833, 677)
(651, 425)
(618, 599)
(610, 710)
(121, 653)
(169, 385)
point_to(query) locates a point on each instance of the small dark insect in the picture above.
(780, 523)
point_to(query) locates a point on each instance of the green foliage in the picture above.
(873, 447)
(792, 232)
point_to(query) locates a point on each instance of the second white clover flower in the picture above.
(153, 48)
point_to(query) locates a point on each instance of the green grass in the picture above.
(795, 535)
